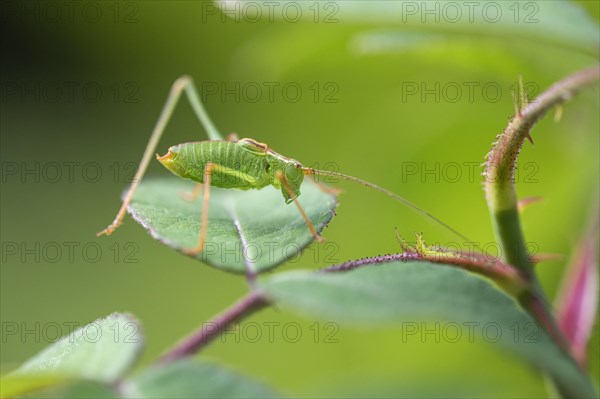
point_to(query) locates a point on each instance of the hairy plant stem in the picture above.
(208, 331)
(501, 162)
(503, 205)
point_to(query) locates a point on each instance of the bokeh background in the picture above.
(81, 93)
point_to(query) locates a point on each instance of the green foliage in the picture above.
(192, 379)
(102, 351)
(77, 390)
(559, 22)
(406, 291)
(255, 227)
(88, 364)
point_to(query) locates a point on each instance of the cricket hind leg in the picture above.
(279, 175)
(184, 83)
(208, 170)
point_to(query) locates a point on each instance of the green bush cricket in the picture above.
(241, 164)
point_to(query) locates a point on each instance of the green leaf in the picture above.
(192, 379)
(251, 229)
(15, 385)
(407, 291)
(556, 22)
(101, 351)
(77, 390)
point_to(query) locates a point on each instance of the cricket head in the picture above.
(287, 174)
(293, 176)
(172, 161)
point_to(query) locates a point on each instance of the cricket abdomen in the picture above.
(235, 167)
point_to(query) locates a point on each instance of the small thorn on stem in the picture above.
(522, 95)
(404, 245)
(559, 113)
(525, 202)
(529, 137)
(516, 104)
(546, 257)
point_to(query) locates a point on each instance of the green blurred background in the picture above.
(372, 129)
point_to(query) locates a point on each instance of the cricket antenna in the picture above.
(310, 171)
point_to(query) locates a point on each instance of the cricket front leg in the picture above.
(232, 137)
(208, 170)
(184, 83)
(284, 183)
(194, 194)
